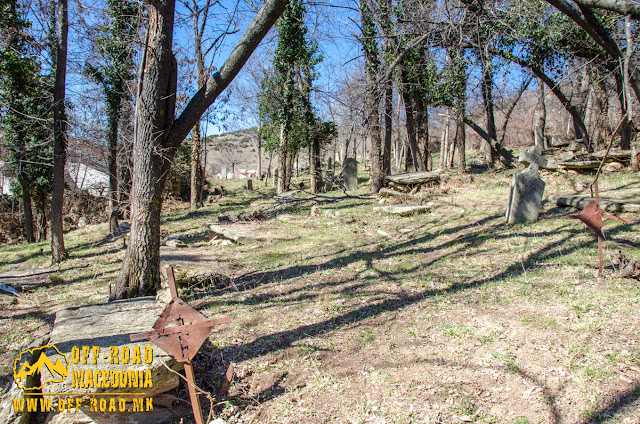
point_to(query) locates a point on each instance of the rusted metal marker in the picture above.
(592, 216)
(183, 339)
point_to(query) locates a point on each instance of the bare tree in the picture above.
(159, 133)
(58, 251)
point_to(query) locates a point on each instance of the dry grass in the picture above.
(452, 316)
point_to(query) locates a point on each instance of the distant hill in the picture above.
(237, 149)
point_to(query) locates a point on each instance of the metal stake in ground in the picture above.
(592, 216)
(183, 339)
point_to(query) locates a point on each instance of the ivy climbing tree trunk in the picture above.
(58, 251)
(487, 98)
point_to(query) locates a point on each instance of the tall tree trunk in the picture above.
(487, 98)
(140, 273)
(373, 120)
(625, 128)
(27, 210)
(259, 155)
(579, 127)
(409, 117)
(460, 109)
(197, 177)
(196, 168)
(372, 95)
(422, 132)
(602, 112)
(282, 161)
(158, 134)
(542, 114)
(58, 252)
(41, 207)
(388, 128)
(112, 137)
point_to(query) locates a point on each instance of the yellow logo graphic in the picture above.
(23, 367)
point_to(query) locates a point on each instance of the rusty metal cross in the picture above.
(592, 216)
(180, 331)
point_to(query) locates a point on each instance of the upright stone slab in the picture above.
(224, 172)
(527, 189)
(534, 155)
(350, 174)
(538, 136)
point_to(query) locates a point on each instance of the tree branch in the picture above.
(264, 20)
(623, 7)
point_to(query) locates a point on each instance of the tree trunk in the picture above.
(41, 207)
(377, 163)
(444, 155)
(112, 138)
(422, 132)
(602, 112)
(158, 134)
(487, 97)
(196, 166)
(625, 128)
(140, 273)
(460, 102)
(27, 211)
(58, 252)
(259, 155)
(410, 123)
(388, 127)
(542, 114)
(282, 162)
(196, 145)
(460, 141)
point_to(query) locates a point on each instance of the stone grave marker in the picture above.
(350, 174)
(527, 189)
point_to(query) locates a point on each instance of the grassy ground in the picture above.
(353, 316)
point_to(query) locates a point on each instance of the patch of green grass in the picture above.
(457, 330)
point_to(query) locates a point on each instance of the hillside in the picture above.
(344, 314)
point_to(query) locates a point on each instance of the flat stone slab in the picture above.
(414, 177)
(614, 155)
(403, 210)
(108, 326)
(27, 279)
(234, 234)
(580, 164)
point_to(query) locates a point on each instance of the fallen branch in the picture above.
(609, 205)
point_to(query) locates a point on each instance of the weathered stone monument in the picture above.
(527, 189)
(250, 184)
(350, 174)
(223, 173)
(534, 155)
(539, 138)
